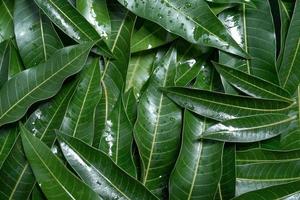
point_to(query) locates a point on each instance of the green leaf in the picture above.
(283, 191)
(150, 36)
(191, 178)
(55, 180)
(245, 23)
(193, 20)
(80, 115)
(247, 2)
(100, 172)
(71, 22)
(17, 179)
(117, 137)
(139, 70)
(96, 13)
(187, 71)
(251, 128)
(130, 105)
(158, 126)
(37, 194)
(256, 176)
(6, 19)
(35, 34)
(221, 106)
(114, 72)
(41, 82)
(8, 137)
(265, 156)
(15, 62)
(4, 62)
(286, 9)
(252, 85)
(289, 72)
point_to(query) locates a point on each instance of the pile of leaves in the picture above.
(149, 99)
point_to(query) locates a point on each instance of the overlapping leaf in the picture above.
(41, 82)
(6, 19)
(100, 172)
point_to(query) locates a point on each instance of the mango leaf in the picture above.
(41, 82)
(139, 70)
(244, 24)
(252, 85)
(80, 115)
(150, 36)
(96, 13)
(71, 22)
(191, 178)
(15, 63)
(6, 20)
(37, 194)
(18, 179)
(4, 62)
(286, 9)
(114, 72)
(157, 129)
(265, 156)
(130, 105)
(187, 71)
(288, 72)
(116, 140)
(261, 175)
(283, 191)
(251, 128)
(247, 2)
(8, 137)
(55, 180)
(100, 172)
(35, 34)
(221, 106)
(183, 19)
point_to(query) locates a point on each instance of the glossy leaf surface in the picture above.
(6, 20)
(33, 84)
(183, 18)
(100, 172)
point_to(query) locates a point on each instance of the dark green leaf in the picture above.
(41, 82)
(35, 34)
(184, 18)
(100, 172)
(55, 180)
(6, 19)
(80, 115)
(221, 106)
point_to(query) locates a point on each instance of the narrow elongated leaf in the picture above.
(191, 178)
(245, 23)
(149, 36)
(157, 129)
(221, 106)
(4, 62)
(100, 172)
(117, 137)
(139, 70)
(55, 180)
(37, 194)
(252, 85)
(250, 129)
(286, 11)
(40, 82)
(287, 191)
(96, 13)
(187, 71)
(69, 20)
(15, 62)
(80, 114)
(261, 175)
(184, 18)
(265, 156)
(130, 105)
(17, 179)
(232, 1)
(6, 20)
(35, 35)
(288, 72)
(114, 73)
(8, 137)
